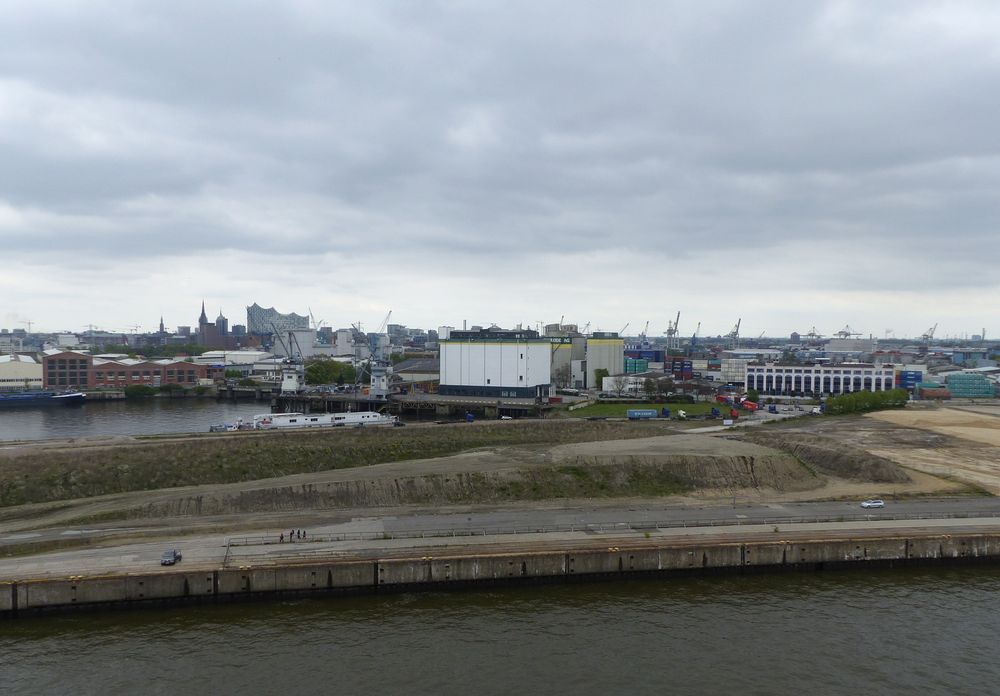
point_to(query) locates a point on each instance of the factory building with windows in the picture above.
(496, 363)
(843, 378)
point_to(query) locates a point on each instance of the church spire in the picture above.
(203, 319)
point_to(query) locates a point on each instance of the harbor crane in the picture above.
(694, 336)
(812, 335)
(928, 335)
(846, 332)
(642, 336)
(673, 337)
(312, 318)
(734, 335)
(622, 332)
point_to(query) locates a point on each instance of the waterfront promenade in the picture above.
(224, 568)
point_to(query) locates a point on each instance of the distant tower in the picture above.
(222, 324)
(162, 330)
(203, 319)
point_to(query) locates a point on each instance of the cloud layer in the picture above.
(791, 164)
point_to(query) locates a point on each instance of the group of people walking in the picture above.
(292, 535)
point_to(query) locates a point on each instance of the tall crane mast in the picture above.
(734, 335)
(673, 335)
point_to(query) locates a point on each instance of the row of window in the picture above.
(807, 371)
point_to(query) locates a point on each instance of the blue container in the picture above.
(642, 413)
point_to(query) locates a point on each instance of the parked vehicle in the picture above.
(170, 557)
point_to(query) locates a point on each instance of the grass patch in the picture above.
(50, 475)
(702, 408)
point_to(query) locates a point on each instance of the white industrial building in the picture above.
(843, 378)
(19, 373)
(231, 357)
(606, 351)
(496, 363)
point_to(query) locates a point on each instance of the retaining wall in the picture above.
(627, 559)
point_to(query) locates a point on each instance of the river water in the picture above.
(128, 417)
(882, 632)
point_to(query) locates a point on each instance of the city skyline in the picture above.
(823, 164)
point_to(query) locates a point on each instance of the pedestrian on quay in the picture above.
(300, 534)
(291, 535)
(281, 538)
(303, 534)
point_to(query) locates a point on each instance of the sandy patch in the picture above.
(960, 423)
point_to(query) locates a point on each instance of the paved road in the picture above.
(365, 534)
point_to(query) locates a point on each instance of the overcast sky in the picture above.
(794, 164)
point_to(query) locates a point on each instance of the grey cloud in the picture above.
(511, 131)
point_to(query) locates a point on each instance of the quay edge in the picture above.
(627, 558)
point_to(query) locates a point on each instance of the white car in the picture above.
(875, 503)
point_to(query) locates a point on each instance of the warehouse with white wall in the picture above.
(496, 363)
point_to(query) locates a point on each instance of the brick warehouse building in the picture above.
(76, 370)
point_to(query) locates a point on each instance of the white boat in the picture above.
(269, 421)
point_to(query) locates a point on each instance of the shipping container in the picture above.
(642, 413)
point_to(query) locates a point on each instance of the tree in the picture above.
(790, 358)
(650, 388)
(326, 371)
(233, 374)
(619, 383)
(753, 395)
(561, 377)
(599, 375)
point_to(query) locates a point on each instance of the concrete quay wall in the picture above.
(628, 559)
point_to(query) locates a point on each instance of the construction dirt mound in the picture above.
(625, 476)
(832, 458)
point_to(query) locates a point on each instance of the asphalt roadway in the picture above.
(114, 549)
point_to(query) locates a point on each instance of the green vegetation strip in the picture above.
(47, 475)
(621, 410)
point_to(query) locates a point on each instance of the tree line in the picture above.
(862, 401)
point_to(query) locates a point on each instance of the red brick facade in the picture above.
(71, 370)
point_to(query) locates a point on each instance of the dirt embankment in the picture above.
(648, 467)
(36, 475)
(832, 458)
